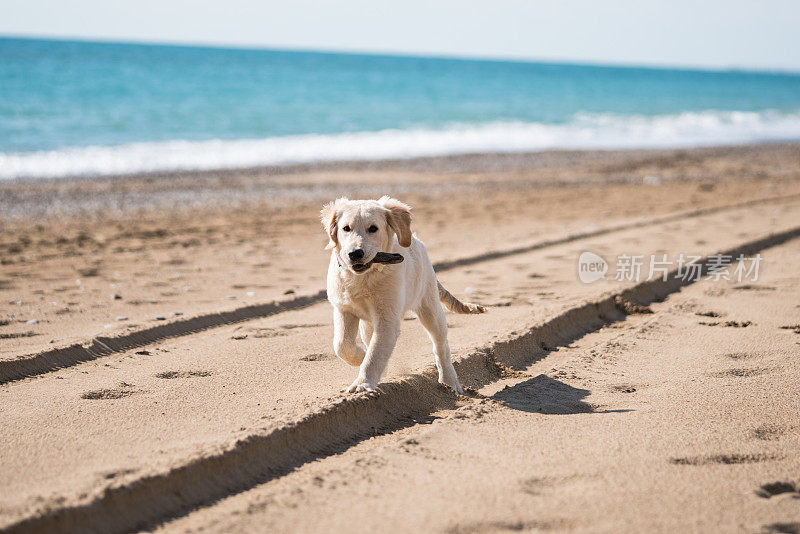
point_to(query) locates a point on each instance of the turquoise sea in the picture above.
(83, 108)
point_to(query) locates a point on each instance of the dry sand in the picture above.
(653, 422)
(179, 374)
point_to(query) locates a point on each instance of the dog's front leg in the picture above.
(380, 349)
(345, 331)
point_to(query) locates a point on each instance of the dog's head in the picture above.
(359, 229)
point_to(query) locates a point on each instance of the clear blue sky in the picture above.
(713, 33)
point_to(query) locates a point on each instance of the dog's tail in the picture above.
(455, 305)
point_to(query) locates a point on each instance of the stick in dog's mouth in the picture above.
(380, 257)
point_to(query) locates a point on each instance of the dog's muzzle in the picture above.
(380, 257)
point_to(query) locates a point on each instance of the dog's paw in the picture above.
(453, 384)
(361, 384)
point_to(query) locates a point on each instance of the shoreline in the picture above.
(457, 162)
(280, 185)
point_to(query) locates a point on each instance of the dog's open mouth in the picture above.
(380, 257)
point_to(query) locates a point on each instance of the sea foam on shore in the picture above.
(584, 131)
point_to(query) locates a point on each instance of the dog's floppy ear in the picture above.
(398, 215)
(329, 215)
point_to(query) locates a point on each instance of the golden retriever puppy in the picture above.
(372, 298)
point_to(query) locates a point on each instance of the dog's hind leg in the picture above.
(345, 331)
(386, 331)
(366, 332)
(432, 317)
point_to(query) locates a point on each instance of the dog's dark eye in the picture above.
(372, 229)
(346, 228)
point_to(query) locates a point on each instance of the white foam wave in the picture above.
(599, 131)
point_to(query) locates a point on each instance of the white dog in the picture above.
(379, 295)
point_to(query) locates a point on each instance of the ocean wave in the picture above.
(585, 131)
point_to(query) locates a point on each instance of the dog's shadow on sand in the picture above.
(542, 394)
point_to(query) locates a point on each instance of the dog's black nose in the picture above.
(356, 254)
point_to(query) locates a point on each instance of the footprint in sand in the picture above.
(741, 372)
(768, 432)
(123, 389)
(772, 489)
(89, 272)
(782, 528)
(510, 526)
(539, 485)
(724, 459)
(168, 375)
(15, 335)
(316, 357)
(731, 324)
(714, 292)
(266, 332)
(282, 330)
(753, 287)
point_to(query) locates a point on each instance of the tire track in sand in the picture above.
(258, 458)
(99, 346)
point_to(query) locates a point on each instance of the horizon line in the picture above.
(400, 54)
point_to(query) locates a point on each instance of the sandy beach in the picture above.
(166, 360)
